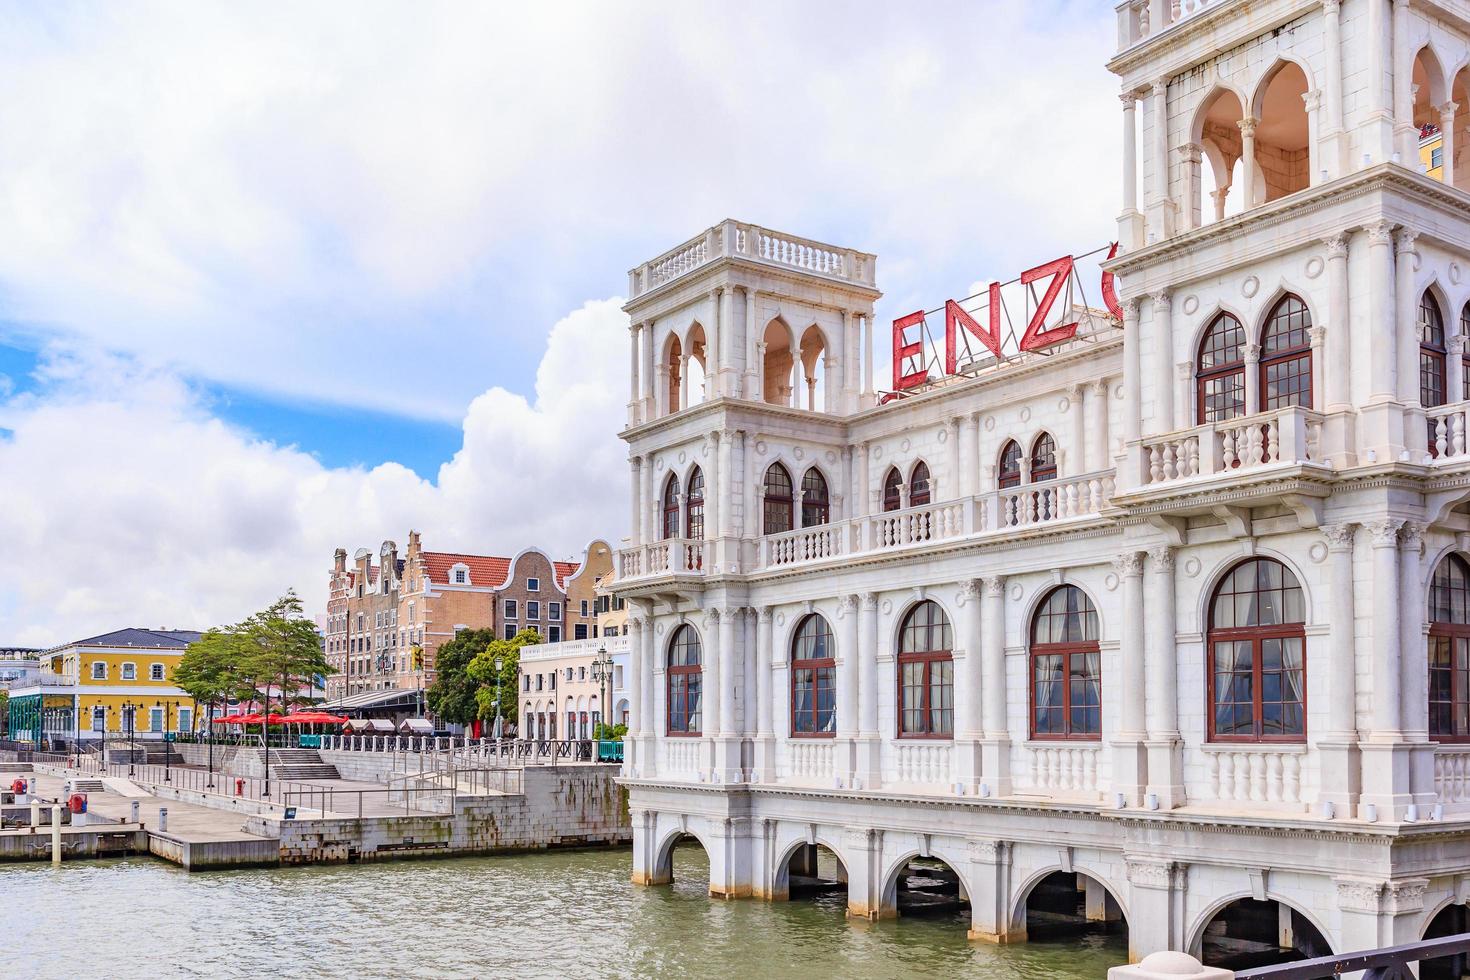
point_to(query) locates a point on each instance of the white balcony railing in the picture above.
(1064, 767)
(1054, 500)
(1256, 774)
(803, 545)
(672, 556)
(1447, 425)
(812, 759)
(1284, 435)
(738, 239)
(923, 763)
(1452, 773)
(1142, 19)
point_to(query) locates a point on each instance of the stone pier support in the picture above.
(863, 854)
(1156, 892)
(990, 894)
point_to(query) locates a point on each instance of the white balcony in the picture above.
(1139, 20)
(1284, 436)
(1053, 503)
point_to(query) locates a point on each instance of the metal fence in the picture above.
(516, 751)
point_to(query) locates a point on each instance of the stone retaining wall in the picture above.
(570, 806)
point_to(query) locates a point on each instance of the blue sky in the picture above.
(276, 280)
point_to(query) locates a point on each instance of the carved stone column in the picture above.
(1162, 352)
(1406, 255)
(869, 767)
(1248, 161)
(1130, 763)
(765, 738)
(1165, 757)
(1385, 762)
(969, 727)
(1337, 747)
(995, 747)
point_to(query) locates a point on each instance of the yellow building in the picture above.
(118, 682)
(1431, 151)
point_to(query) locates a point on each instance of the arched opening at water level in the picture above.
(682, 862)
(813, 871)
(1452, 920)
(1247, 933)
(926, 886)
(1065, 904)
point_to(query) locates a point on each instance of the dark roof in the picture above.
(134, 636)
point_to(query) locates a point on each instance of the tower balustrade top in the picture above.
(1138, 20)
(752, 242)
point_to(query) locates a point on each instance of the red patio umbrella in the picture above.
(315, 718)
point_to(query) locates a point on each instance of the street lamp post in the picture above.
(602, 673)
(499, 694)
(209, 734)
(131, 711)
(104, 739)
(167, 748)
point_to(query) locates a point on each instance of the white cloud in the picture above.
(296, 197)
(126, 503)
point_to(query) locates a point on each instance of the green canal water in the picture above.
(564, 914)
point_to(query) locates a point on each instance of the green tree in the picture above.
(452, 695)
(212, 668)
(284, 650)
(500, 685)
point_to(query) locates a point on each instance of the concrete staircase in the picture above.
(299, 764)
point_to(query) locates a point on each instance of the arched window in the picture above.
(1257, 653)
(1449, 651)
(925, 673)
(1220, 371)
(815, 507)
(694, 506)
(685, 677)
(1010, 465)
(778, 499)
(671, 507)
(1066, 668)
(1043, 458)
(919, 485)
(892, 490)
(1431, 352)
(1465, 356)
(1286, 356)
(813, 679)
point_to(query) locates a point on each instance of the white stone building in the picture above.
(1178, 608)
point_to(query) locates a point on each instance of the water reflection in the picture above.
(547, 915)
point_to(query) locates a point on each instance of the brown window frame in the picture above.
(1281, 314)
(818, 666)
(769, 500)
(1066, 650)
(1453, 633)
(927, 658)
(1203, 377)
(1010, 478)
(819, 506)
(892, 490)
(694, 505)
(670, 508)
(1255, 635)
(920, 497)
(689, 672)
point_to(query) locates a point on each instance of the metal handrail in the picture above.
(1391, 963)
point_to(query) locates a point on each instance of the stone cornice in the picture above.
(1203, 26)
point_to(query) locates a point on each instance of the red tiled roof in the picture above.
(564, 571)
(485, 570)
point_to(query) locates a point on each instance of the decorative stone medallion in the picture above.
(1190, 305)
(1110, 582)
(1455, 273)
(990, 423)
(831, 456)
(1250, 287)
(1314, 267)
(682, 456)
(887, 606)
(1026, 414)
(905, 445)
(1017, 592)
(760, 447)
(1318, 552)
(799, 453)
(1191, 566)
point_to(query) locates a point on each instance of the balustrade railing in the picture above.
(1141, 19)
(1452, 773)
(920, 525)
(734, 238)
(923, 762)
(1255, 775)
(1447, 425)
(1065, 768)
(1054, 500)
(811, 758)
(1284, 435)
(803, 545)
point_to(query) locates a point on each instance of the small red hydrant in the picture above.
(18, 786)
(239, 787)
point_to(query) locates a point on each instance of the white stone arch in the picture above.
(901, 613)
(1431, 565)
(832, 487)
(1430, 283)
(1214, 576)
(663, 852)
(1207, 101)
(1428, 58)
(668, 643)
(1031, 605)
(1448, 896)
(958, 863)
(1197, 335)
(779, 872)
(1196, 930)
(784, 325)
(1256, 330)
(1268, 73)
(1016, 912)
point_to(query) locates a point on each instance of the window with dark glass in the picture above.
(892, 490)
(1066, 667)
(813, 679)
(925, 673)
(815, 507)
(1465, 354)
(1010, 465)
(1043, 458)
(671, 507)
(779, 497)
(1286, 356)
(1449, 651)
(684, 682)
(1257, 655)
(694, 506)
(1220, 371)
(919, 485)
(1431, 352)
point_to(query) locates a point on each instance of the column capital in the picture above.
(1339, 536)
(1317, 335)
(1252, 353)
(1331, 6)
(1312, 99)
(847, 604)
(1151, 874)
(1161, 558)
(1129, 100)
(1100, 386)
(1160, 87)
(1248, 126)
(1379, 232)
(1184, 370)
(1161, 299)
(712, 616)
(763, 613)
(1411, 537)
(969, 591)
(1358, 895)
(1337, 245)
(1404, 240)
(1385, 532)
(1448, 109)
(1129, 565)
(1190, 152)
(870, 601)
(995, 586)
